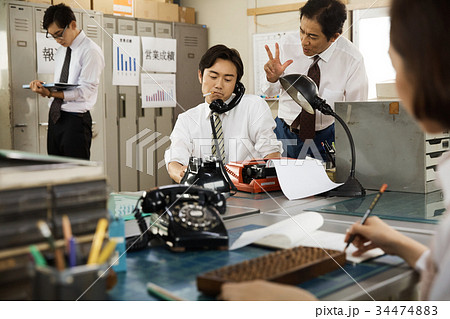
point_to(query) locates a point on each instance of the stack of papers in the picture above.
(301, 230)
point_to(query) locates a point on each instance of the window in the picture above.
(371, 36)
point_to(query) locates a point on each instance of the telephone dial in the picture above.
(184, 217)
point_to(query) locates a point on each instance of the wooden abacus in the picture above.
(289, 266)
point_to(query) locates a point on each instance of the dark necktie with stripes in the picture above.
(55, 108)
(220, 141)
(308, 121)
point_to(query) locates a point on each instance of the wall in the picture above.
(227, 24)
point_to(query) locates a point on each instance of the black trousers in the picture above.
(71, 136)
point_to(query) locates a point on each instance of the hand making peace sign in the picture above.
(273, 68)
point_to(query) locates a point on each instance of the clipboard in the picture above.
(55, 86)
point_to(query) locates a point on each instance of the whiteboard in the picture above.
(260, 57)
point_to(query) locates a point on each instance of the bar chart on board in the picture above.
(126, 60)
(158, 90)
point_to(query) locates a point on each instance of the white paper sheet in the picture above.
(302, 178)
(45, 53)
(301, 230)
(126, 60)
(158, 90)
(284, 233)
(159, 55)
(330, 240)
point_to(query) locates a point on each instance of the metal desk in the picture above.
(394, 283)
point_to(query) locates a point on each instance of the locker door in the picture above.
(146, 120)
(91, 25)
(127, 119)
(42, 102)
(111, 107)
(192, 43)
(22, 71)
(163, 116)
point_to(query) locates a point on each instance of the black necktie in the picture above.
(55, 108)
(308, 121)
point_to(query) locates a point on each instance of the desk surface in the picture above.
(381, 279)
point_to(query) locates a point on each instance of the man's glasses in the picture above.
(60, 36)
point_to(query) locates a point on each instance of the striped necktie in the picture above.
(220, 142)
(55, 108)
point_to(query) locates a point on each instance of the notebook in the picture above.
(55, 86)
(301, 230)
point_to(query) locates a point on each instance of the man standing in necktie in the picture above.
(78, 61)
(330, 60)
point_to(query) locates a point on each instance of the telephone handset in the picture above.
(187, 217)
(219, 106)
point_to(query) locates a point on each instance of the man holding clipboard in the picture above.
(79, 61)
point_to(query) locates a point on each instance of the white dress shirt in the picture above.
(86, 65)
(247, 128)
(342, 76)
(440, 252)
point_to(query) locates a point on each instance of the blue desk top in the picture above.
(177, 272)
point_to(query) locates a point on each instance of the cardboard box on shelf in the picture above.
(146, 9)
(79, 4)
(187, 15)
(105, 6)
(155, 10)
(168, 12)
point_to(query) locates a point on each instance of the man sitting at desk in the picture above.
(243, 123)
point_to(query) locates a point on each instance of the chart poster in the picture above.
(126, 57)
(46, 51)
(158, 90)
(159, 55)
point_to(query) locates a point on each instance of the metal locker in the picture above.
(163, 30)
(145, 120)
(91, 24)
(42, 102)
(5, 92)
(22, 71)
(163, 116)
(127, 119)
(111, 108)
(192, 43)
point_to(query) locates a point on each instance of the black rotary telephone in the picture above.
(209, 173)
(184, 217)
(219, 106)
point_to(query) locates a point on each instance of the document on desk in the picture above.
(302, 178)
(300, 230)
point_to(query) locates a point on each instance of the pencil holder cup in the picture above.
(84, 282)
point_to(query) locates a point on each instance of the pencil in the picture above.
(97, 241)
(67, 231)
(367, 213)
(107, 251)
(37, 256)
(47, 233)
(161, 293)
